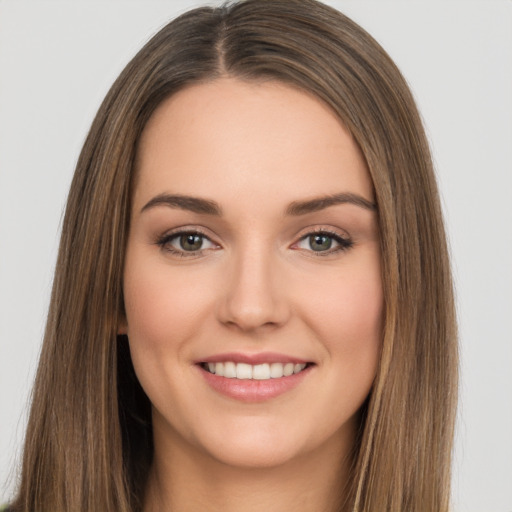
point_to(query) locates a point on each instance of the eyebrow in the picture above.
(319, 203)
(296, 208)
(190, 203)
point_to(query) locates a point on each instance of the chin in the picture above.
(257, 443)
(248, 454)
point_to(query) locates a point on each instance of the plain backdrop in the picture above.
(57, 61)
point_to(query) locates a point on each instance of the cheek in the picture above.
(361, 307)
(165, 309)
(159, 302)
(350, 307)
(347, 315)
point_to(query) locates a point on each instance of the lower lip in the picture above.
(253, 390)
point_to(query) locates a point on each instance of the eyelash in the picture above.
(163, 242)
(344, 243)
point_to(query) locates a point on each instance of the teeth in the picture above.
(288, 369)
(261, 372)
(229, 370)
(245, 371)
(276, 370)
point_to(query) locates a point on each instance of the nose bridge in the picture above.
(252, 296)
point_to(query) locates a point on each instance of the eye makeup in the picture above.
(193, 242)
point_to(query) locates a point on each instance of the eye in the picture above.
(323, 242)
(186, 243)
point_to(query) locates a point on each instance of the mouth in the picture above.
(255, 378)
(245, 371)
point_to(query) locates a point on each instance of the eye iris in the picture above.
(320, 242)
(191, 242)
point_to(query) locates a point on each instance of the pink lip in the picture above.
(251, 390)
(253, 359)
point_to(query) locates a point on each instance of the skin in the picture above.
(256, 286)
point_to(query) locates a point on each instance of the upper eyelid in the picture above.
(302, 232)
(185, 229)
(337, 232)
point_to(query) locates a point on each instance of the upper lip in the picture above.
(253, 359)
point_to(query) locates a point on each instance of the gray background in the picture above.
(57, 60)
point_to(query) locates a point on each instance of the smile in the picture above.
(254, 378)
(244, 371)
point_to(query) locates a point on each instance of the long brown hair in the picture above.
(89, 443)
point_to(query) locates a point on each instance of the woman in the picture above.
(252, 306)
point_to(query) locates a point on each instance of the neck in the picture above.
(184, 479)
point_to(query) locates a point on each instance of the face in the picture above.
(252, 282)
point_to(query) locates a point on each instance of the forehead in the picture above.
(228, 137)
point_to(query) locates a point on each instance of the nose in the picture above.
(254, 297)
